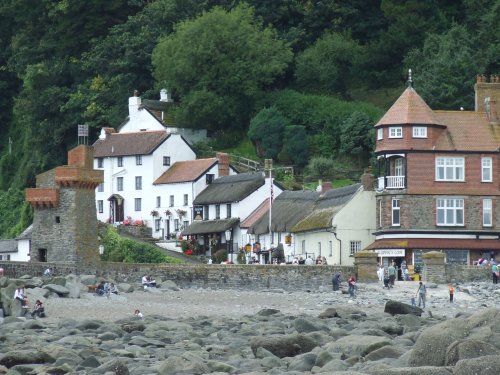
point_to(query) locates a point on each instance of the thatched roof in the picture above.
(229, 189)
(210, 226)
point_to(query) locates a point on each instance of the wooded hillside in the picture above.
(321, 71)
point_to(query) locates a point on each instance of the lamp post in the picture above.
(229, 250)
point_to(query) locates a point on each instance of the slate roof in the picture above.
(210, 226)
(409, 108)
(256, 214)
(126, 144)
(232, 188)
(185, 171)
(8, 246)
(26, 234)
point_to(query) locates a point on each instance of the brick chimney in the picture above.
(488, 96)
(368, 180)
(223, 163)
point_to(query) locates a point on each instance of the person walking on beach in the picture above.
(392, 274)
(336, 280)
(421, 291)
(451, 291)
(494, 273)
(352, 286)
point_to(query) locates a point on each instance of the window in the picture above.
(185, 224)
(158, 202)
(176, 225)
(419, 132)
(395, 132)
(487, 212)
(380, 134)
(138, 159)
(319, 248)
(228, 210)
(100, 162)
(157, 225)
(330, 245)
(217, 211)
(209, 178)
(119, 183)
(100, 207)
(205, 212)
(138, 204)
(449, 169)
(166, 160)
(450, 211)
(396, 219)
(100, 187)
(119, 161)
(171, 201)
(486, 167)
(185, 199)
(303, 246)
(58, 219)
(138, 182)
(354, 247)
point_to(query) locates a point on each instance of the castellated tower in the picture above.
(65, 220)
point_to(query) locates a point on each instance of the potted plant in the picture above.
(168, 213)
(155, 213)
(180, 212)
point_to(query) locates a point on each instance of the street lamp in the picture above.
(228, 238)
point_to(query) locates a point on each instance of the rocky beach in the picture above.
(268, 331)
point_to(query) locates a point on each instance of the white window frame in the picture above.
(171, 203)
(166, 160)
(450, 211)
(100, 187)
(217, 211)
(138, 159)
(186, 199)
(137, 204)
(100, 206)
(396, 132)
(157, 225)
(330, 246)
(487, 212)
(138, 182)
(420, 132)
(396, 212)
(119, 183)
(486, 169)
(228, 214)
(100, 163)
(158, 201)
(380, 134)
(450, 168)
(119, 161)
(354, 247)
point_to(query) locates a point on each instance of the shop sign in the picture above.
(390, 252)
(198, 212)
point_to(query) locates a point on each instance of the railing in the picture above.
(247, 164)
(393, 182)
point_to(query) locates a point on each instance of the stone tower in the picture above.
(65, 220)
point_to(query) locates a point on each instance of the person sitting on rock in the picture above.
(38, 310)
(99, 290)
(113, 289)
(138, 314)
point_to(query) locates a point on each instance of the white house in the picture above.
(17, 250)
(176, 189)
(223, 205)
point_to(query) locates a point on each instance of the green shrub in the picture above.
(219, 256)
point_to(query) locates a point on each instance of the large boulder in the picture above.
(60, 290)
(398, 308)
(283, 345)
(487, 365)
(468, 348)
(424, 370)
(359, 345)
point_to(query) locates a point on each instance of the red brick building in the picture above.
(439, 184)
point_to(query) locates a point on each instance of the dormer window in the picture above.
(395, 132)
(380, 134)
(419, 132)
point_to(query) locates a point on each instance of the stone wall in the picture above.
(456, 273)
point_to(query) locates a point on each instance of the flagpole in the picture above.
(270, 167)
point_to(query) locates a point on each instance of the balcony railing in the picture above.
(393, 182)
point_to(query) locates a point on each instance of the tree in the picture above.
(218, 64)
(296, 145)
(357, 136)
(266, 132)
(329, 65)
(444, 69)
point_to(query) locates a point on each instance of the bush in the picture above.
(219, 256)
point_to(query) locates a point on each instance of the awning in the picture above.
(210, 226)
(436, 243)
(115, 197)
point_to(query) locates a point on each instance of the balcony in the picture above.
(391, 182)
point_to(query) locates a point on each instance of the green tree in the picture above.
(357, 137)
(296, 145)
(266, 132)
(328, 66)
(444, 69)
(218, 64)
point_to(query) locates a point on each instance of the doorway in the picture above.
(42, 255)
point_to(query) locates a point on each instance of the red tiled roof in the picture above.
(435, 243)
(410, 108)
(467, 131)
(184, 171)
(256, 214)
(125, 144)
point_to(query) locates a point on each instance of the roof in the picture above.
(327, 206)
(435, 243)
(409, 108)
(256, 214)
(210, 226)
(232, 188)
(467, 131)
(287, 210)
(26, 234)
(185, 171)
(125, 144)
(8, 246)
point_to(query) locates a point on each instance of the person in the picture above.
(99, 290)
(422, 290)
(151, 282)
(413, 303)
(495, 273)
(38, 310)
(113, 289)
(451, 291)
(309, 261)
(351, 282)
(295, 261)
(323, 261)
(387, 281)
(138, 314)
(302, 261)
(336, 280)
(47, 272)
(380, 273)
(392, 274)
(210, 261)
(319, 261)
(406, 274)
(19, 294)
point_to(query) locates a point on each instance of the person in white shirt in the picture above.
(138, 314)
(309, 261)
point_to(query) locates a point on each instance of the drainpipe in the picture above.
(334, 232)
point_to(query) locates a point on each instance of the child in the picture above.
(451, 290)
(413, 302)
(138, 314)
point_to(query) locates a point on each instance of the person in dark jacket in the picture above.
(337, 278)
